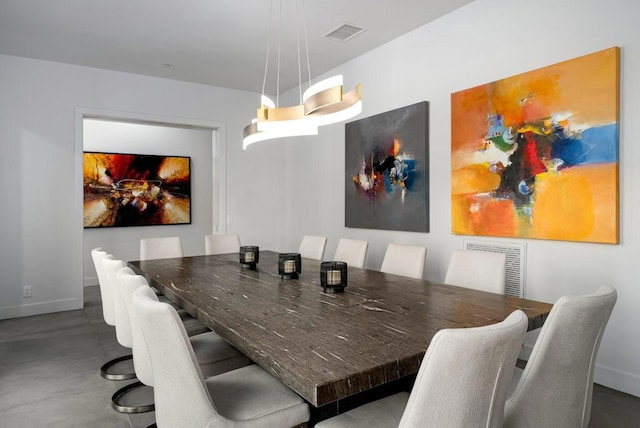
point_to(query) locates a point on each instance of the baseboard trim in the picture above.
(30, 309)
(92, 280)
(617, 379)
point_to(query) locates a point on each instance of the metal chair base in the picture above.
(119, 394)
(104, 370)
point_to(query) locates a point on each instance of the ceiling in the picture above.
(214, 42)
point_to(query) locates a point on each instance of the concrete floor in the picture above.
(49, 375)
(49, 370)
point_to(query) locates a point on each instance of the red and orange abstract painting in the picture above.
(136, 190)
(536, 155)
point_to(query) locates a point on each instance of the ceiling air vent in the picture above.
(344, 32)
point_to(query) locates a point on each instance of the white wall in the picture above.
(485, 41)
(41, 233)
(118, 137)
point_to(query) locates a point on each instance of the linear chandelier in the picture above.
(321, 104)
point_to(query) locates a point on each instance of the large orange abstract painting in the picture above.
(536, 155)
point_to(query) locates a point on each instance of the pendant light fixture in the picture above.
(321, 104)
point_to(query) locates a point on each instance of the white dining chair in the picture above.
(213, 354)
(462, 382)
(405, 260)
(112, 369)
(168, 248)
(246, 397)
(111, 266)
(161, 248)
(216, 357)
(480, 270)
(351, 251)
(221, 244)
(556, 386)
(312, 247)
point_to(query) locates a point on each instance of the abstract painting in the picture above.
(536, 155)
(136, 190)
(386, 168)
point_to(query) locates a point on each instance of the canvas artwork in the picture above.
(136, 190)
(386, 168)
(536, 155)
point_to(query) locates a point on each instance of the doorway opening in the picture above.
(125, 133)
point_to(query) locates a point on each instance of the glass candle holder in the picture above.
(249, 256)
(333, 276)
(289, 265)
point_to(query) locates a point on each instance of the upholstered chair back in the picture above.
(222, 244)
(555, 389)
(352, 251)
(464, 377)
(312, 247)
(405, 260)
(161, 248)
(480, 270)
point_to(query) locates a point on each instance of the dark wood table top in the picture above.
(326, 347)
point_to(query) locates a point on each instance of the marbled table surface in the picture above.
(326, 346)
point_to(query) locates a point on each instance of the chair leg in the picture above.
(104, 370)
(119, 394)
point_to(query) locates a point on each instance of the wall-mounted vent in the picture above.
(516, 261)
(344, 32)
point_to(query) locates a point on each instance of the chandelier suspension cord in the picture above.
(266, 61)
(298, 16)
(279, 43)
(306, 44)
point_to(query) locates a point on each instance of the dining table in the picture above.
(327, 347)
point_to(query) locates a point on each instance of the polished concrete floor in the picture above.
(49, 375)
(49, 371)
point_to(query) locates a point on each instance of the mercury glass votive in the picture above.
(289, 265)
(249, 256)
(333, 276)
